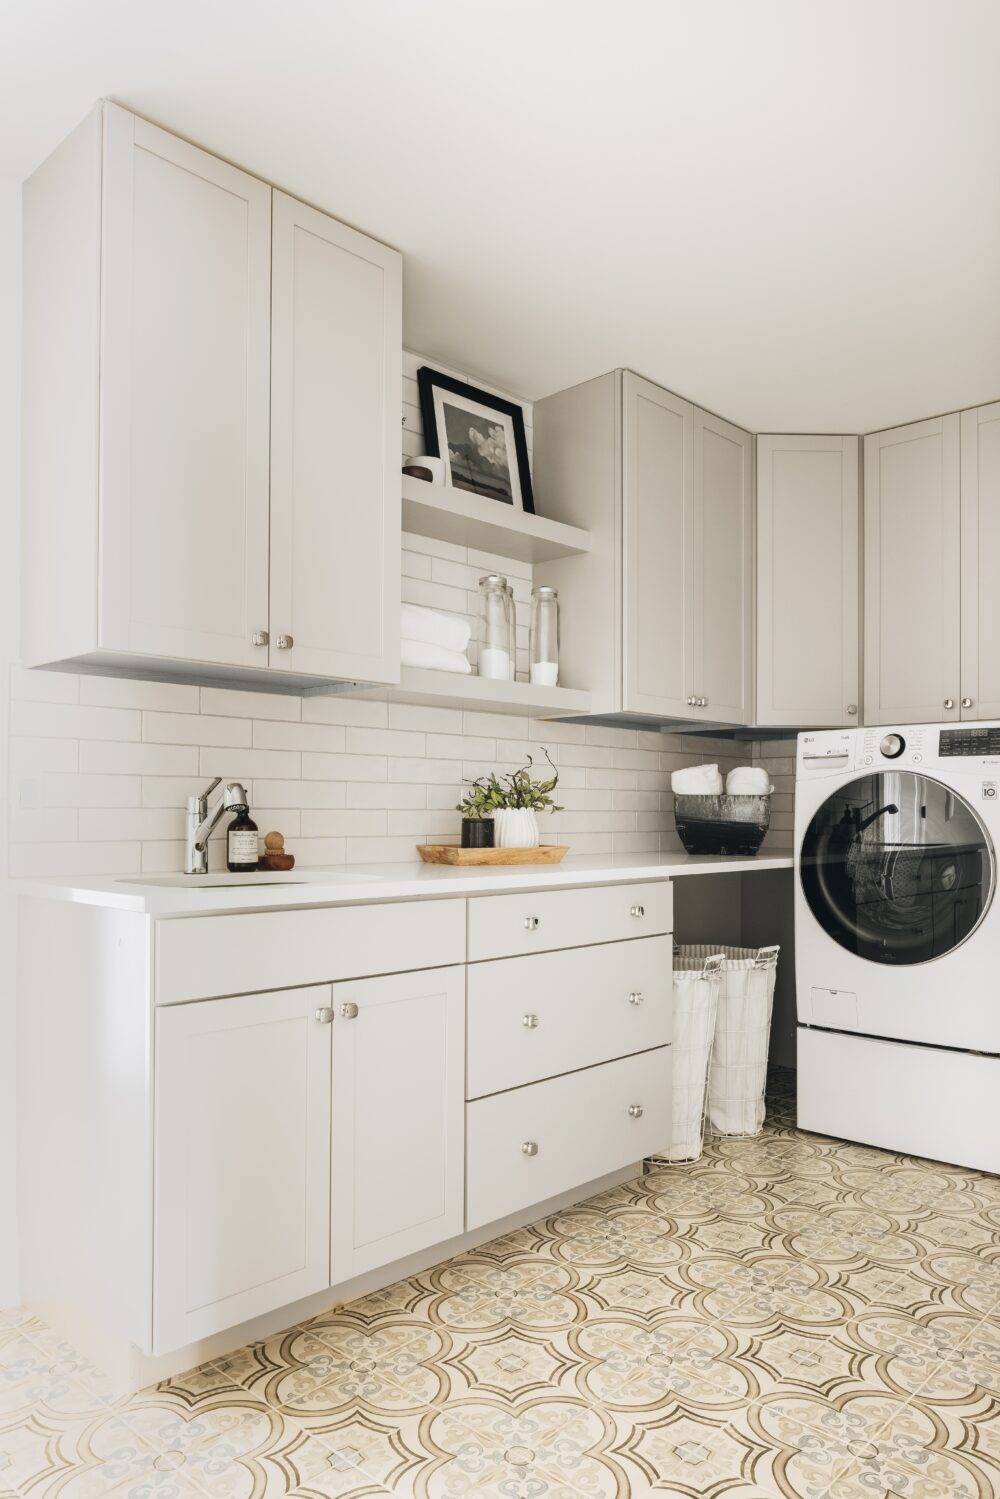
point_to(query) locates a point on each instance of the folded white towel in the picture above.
(748, 780)
(432, 657)
(697, 780)
(446, 630)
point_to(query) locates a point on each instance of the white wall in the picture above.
(10, 317)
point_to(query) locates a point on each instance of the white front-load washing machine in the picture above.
(897, 938)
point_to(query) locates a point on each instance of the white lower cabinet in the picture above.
(398, 1116)
(242, 1160)
(535, 1142)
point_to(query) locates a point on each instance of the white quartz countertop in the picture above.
(351, 884)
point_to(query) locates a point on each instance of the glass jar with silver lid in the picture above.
(497, 647)
(544, 636)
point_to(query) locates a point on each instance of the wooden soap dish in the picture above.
(451, 853)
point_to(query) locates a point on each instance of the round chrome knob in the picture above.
(349, 1011)
(892, 746)
(966, 702)
(324, 1015)
(530, 1022)
(635, 998)
(852, 710)
(635, 1111)
(949, 702)
(692, 702)
(259, 637)
(703, 702)
(530, 1147)
(531, 923)
(637, 911)
(284, 642)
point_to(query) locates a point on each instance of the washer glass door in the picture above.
(897, 868)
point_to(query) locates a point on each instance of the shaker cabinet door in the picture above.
(242, 1159)
(981, 562)
(185, 292)
(398, 1116)
(722, 579)
(912, 574)
(658, 549)
(808, 567)
(336, 394)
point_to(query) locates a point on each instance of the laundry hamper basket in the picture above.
(738, 1070)
(697, 982)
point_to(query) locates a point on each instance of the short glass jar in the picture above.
(544, 639)
(497, 647)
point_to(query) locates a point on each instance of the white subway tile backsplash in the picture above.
(43, 686)
(69, 721)
(142, 823)
(344, 767)
(57, 790)
(239, 704)
(385, 742)
(105, 757)
(123, 692)
(299, 736)
(244, 764)
(355, 712)
(195, 728)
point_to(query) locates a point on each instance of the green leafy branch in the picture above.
(514, 789)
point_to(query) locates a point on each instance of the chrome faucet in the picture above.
(201, 823)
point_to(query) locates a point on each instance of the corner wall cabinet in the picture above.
(657, 617)
(808, 581)
(212, 377)
(932, 548)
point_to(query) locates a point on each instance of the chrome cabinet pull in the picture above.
(637, 911)
(692, 702)
(349, 1011)
(324, 1015)
(284, 642)
(531, 923)
(635, 998)
(530, 1147)
(635, 1111)
(259, 637)
(530, 1022)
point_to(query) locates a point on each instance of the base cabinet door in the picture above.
(336, 388)
(398, 1116)
(242, 1159)
(808, 568)
(912, 573)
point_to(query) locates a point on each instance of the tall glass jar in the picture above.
(544, 642)
(497, 648)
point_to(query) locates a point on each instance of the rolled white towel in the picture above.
(446, 630)
(748, 780)
(432, 657)
(697, 780)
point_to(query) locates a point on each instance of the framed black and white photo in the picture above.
(479, 436)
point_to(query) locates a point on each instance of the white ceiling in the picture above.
(787, 210)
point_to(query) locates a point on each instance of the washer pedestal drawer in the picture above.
(534, 1142)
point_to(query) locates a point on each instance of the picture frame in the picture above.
(479, 436)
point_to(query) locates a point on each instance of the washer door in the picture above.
(897, 868)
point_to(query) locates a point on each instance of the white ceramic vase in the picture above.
(515, 827)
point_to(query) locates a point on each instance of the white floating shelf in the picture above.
(444, 689)
(472, 520)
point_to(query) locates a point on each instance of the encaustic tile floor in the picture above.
(788, 1316)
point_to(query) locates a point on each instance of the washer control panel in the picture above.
(980, 741)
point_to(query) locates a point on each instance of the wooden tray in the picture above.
(451, 853)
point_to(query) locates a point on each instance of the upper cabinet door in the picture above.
(336, 397)
(398, 1116)
(658, 549)
(808, 566)
(185, 294)
(981, 562)
(722, 577)
(912, 567)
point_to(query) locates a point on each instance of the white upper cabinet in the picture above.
(912, 573)
(659, 526)
(185, 300)
(228, 439)
(981, 562)
(721, 578)
(808, 565)
(335, 486)
(657, 617)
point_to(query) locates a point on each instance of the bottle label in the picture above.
(243, 847)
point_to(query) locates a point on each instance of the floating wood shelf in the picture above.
(472, 520)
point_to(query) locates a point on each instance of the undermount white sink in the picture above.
(238, 881)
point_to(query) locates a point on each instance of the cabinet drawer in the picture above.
(501, 926)
(579, 1125)
(199, 957)
(554, 1012)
